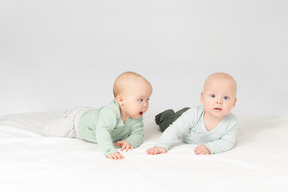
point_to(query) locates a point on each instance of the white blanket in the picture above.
(30, 162)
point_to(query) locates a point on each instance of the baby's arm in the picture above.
(202, 150)
(156, 150)
(136, 135)
(225, 143)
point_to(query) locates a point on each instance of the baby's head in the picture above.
(219, 94)
(132, 92)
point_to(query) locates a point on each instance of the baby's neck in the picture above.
(124, 116)
(210, 123)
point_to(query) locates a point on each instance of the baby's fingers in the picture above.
(126, 147)
(150, 152)
(119, 143)
(115, 156)
(201, 150)
(155, 151)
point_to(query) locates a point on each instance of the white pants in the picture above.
(67, 125)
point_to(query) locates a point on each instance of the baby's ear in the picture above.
(235, 102)
(119, 100)
(201, 97)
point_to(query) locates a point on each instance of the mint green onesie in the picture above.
(105, 126)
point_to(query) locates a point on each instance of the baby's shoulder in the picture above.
(230, 121)
(195, 112)
(111, 109)
(192, 116)
(231, 117)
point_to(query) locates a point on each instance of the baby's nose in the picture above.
(219, 101)
(145, 104)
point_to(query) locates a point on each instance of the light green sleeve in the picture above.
(228, 139)
(135, 138)
(106, 122)
(176, 130)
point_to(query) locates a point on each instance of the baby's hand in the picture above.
(202, 150)
(115, 156)
(156, 150)
(124, 145)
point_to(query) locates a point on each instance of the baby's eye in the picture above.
(225, 97)
(140, 100)
(212, 95)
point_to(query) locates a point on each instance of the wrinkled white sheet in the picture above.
(30, 162)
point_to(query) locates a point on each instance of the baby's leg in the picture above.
(65, 125)
(166, 118)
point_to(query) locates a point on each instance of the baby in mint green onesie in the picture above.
(119, 121)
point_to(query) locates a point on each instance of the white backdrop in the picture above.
(58, 54)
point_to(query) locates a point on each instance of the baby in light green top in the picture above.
(119, 121)
(212, 125)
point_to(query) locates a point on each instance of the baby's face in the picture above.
(219, 97)
(136, 99)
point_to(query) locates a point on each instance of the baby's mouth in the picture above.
(217, 109)
(141, 113)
